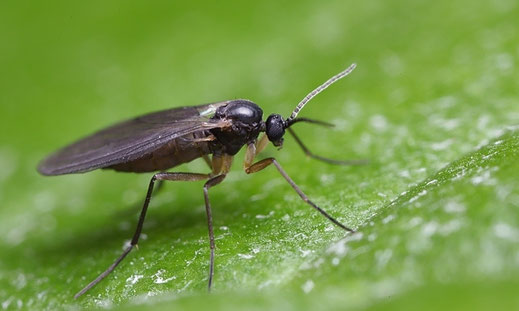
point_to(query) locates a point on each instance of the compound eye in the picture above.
(275, 129)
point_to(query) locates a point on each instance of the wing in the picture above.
(131, 139)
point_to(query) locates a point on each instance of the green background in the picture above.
(433, 104)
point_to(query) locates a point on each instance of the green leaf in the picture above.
(433, 106)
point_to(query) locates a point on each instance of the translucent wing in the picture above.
(131, 139)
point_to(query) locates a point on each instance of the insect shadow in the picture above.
(162, 140)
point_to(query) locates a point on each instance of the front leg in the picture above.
(258, 166)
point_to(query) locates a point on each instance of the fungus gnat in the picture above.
(159, 141)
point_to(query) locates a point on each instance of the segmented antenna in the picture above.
(318, 90)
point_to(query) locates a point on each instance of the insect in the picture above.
(159, 141)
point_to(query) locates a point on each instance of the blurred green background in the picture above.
(433, 104)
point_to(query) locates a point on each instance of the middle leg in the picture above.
(211, 183)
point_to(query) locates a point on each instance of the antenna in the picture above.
(318, 90)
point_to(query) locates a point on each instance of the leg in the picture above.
(207, 160)
(160, 185)
(331, 161)
(137, 234)
(253, 149)
(261, 144)
(210, 183)
(221, 164)
(258, 166)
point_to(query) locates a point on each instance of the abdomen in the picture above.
(180, 150)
